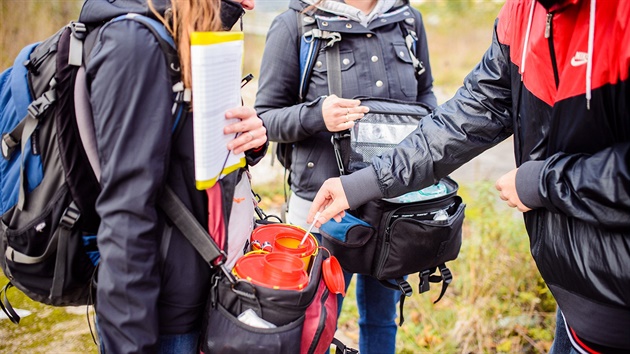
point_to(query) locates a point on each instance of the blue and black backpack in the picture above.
(48, 173)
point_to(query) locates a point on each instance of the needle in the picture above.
(309, 228)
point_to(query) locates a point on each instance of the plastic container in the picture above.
(272, 270)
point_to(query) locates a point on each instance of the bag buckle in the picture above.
(70, 216)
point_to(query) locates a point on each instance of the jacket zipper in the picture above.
(552, 52)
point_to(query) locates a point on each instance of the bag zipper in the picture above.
(322, 321)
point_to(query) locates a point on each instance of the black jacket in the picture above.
(151, 280)
(571, 131)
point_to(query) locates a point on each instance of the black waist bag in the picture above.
(391, 240)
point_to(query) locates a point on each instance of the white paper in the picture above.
(216, 76)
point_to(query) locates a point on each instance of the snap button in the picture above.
(369, 35)
(410, 20)
(374, 59)
(318, 64)
(348, 25)
(346, 61)
(383, 20)
(379, 83)
(309, 19)
(406, 13)
(324, 23)
(402, 54)
(310, 164)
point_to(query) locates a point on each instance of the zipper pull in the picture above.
(548, 25)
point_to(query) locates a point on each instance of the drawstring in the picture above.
(589, 63)
(529, 28)
(591, 40)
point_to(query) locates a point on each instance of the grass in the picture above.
(47, 330)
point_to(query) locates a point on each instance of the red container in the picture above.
(286, 238)
(272, 270)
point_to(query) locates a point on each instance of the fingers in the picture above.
(340, 113)
(506, 185)
(330, 201)
(249, 129)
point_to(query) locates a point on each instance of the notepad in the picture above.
(216, 62)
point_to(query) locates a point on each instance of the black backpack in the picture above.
(49, 187)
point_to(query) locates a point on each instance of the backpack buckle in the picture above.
(70, 216)
(78, 29)
(42, 103)
(8, 146)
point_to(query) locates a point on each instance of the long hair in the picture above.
(185, 17)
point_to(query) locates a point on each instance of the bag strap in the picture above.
(426, 277)
(185, 221)
(405, 291)
(411, 38)
(342, 348)
(6, 306)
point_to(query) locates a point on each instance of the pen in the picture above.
(246, 80)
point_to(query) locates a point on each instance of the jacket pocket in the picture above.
(406, 73)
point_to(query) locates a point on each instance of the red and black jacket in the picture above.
(567, 104)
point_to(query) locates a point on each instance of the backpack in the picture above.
(48, 181)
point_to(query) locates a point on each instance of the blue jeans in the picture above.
(187, 343)
(377, 314)
(179, 343)
(561, 342)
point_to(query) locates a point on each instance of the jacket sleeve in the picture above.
(475, 119)
(425, 82)
(131, 99)
(277, 98)
(593, 188)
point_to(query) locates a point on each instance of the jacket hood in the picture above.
(340, 8)
(95, 11)
(559, 5)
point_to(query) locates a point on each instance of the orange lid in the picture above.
(333, 276)
(273, 270)
(268, 233)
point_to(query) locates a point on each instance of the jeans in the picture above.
(179, 343)
(561, 342)
(187, 343)
(377, 314)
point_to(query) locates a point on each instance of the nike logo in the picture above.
(580, 58)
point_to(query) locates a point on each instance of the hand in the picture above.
(331, 201)
(252, 133)
(340, 113)
(506, 185)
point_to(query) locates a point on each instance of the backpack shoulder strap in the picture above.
(411, 38)
(309, 48)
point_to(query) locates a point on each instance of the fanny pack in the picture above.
(392, 238)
